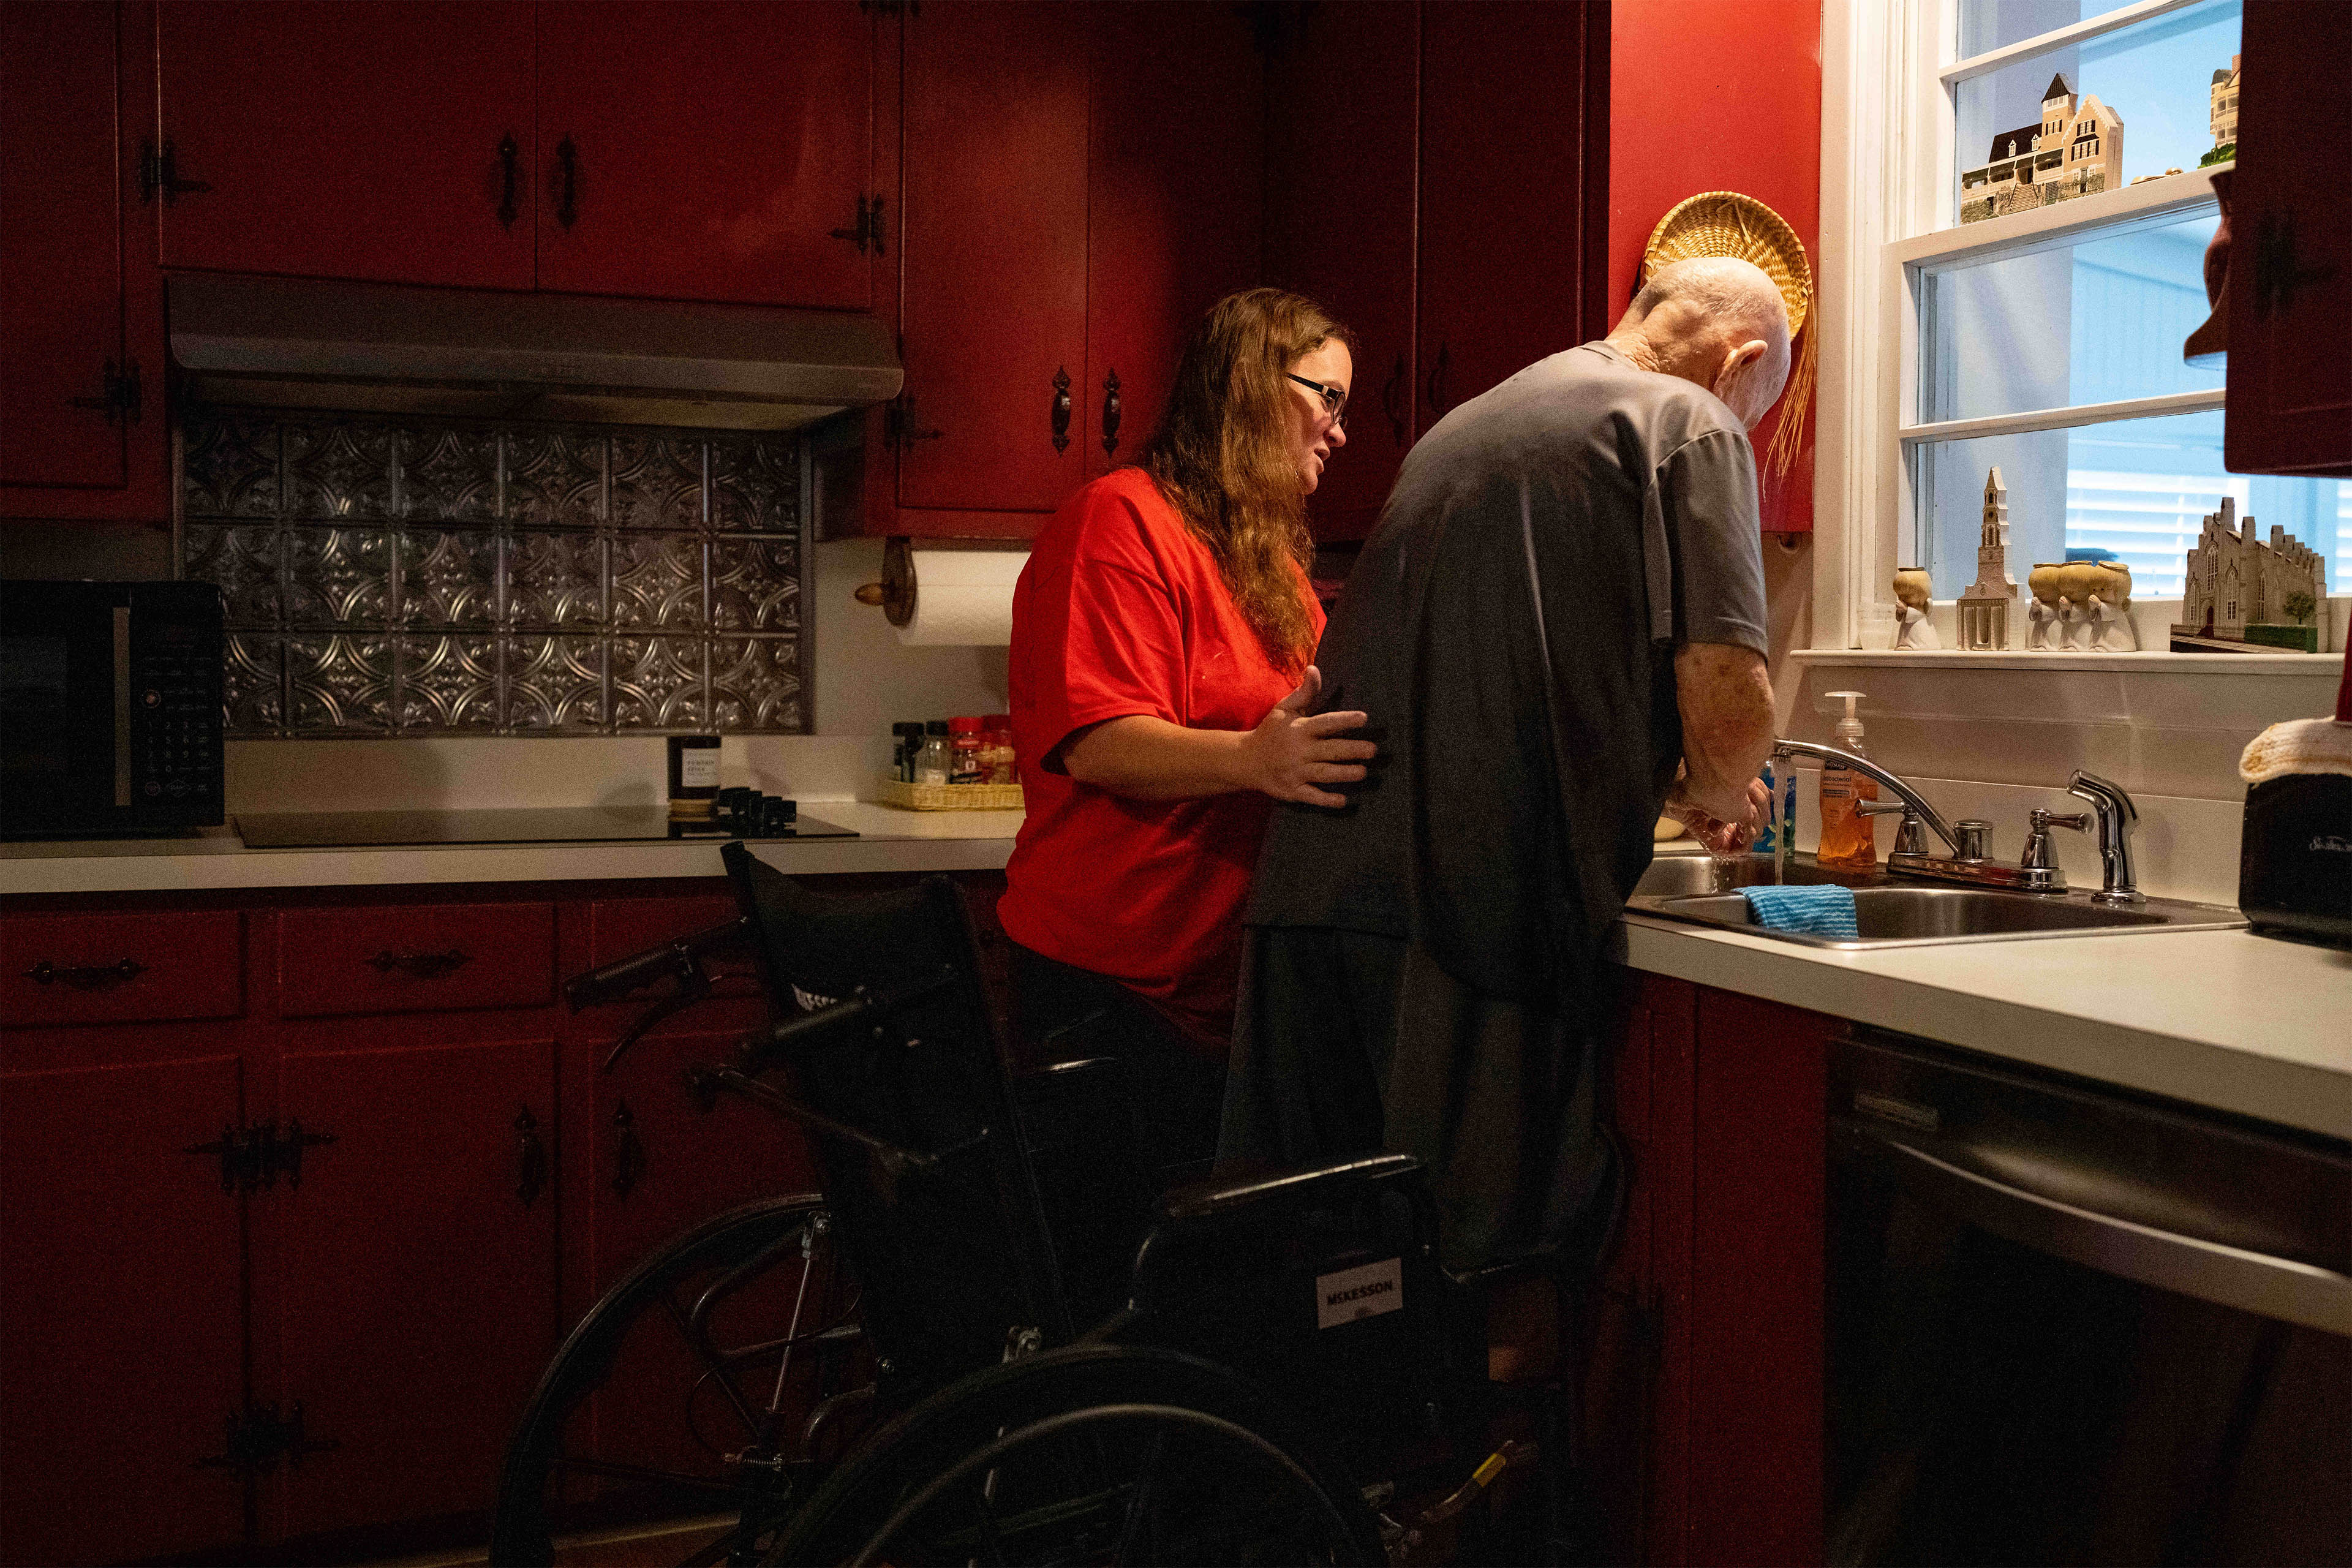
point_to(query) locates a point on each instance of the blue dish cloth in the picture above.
(1826, 910)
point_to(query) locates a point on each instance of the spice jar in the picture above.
(906, 746)
(964, 741)
(999, 753)
(931, 762)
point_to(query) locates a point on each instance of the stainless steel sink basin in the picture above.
(1894, 913)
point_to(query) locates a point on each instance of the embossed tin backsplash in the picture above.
(418, 578)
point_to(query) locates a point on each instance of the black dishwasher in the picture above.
(2069, 1325)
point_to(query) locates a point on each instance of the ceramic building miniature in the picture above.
(2246, 594)
(2222, 116)
(2077, 149)
(1984, 608)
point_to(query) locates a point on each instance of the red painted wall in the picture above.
(1716, 95)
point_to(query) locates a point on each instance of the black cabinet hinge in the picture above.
(891, 7)
(159, 170)
(866, 229)
(121, 396)
(258, 1438)
(252, 1158)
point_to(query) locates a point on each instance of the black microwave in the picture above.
(109, 708)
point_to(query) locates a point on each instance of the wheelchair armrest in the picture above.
(1226, 1195)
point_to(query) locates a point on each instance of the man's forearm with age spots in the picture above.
(1725, 696)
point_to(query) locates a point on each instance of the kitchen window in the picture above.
(2025, 308)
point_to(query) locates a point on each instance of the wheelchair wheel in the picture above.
(681, 1395)
(1095, 1454)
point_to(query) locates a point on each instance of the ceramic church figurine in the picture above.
(1984, 608)
(1912, 628)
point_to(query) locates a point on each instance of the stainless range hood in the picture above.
(301, 343)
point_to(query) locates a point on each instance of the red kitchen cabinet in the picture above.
(1342, 110)
(1175, 176)
(1706, 1386)
(391, 141)
(416, 958)
(2290, 283)
(412, 1274)
(120, 968)
(82, 426)
(761, 194)
(1513, 261)
(123, 1355)
(995, 417)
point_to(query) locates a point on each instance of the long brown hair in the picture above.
(1220, 457)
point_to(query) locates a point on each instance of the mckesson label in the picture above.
(1353, 1293)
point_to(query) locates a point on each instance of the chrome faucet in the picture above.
(1967, 839)
(2118, 816)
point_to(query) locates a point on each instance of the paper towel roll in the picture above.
(962, 597)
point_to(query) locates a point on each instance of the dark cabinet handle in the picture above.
(1437, 379)
(530, 1157)
(874, 224)
(421, 965)
(286, 1153)
(628, 1152)
(507, 154)
(120, 394)
(1392, 397)
(1062, 409)
(1110, 414)
(90, 977)
(567, 170)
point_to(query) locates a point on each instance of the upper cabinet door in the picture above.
(711, 152)
(2290, 248)
(994, 310)
(388, 142)
(1512, 251)
(1341, 108)
(61, 345)
(1176, 203)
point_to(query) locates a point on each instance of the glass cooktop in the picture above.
(527, 825)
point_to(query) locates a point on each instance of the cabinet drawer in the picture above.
(121, 969)
(416, 958)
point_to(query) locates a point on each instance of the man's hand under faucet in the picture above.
(1724, 698)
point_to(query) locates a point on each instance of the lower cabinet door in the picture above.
(660, 1166)
(120, 1326)
(411, 1273)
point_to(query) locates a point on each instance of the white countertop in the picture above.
(2224, 1019)
(889, 839)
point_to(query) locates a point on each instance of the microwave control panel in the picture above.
(176, 716)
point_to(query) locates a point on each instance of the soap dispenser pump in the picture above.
(1849, 841)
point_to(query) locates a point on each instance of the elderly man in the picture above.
(1557, 629)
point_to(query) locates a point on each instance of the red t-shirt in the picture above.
(1122, 610)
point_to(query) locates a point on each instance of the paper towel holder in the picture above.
(895, 593)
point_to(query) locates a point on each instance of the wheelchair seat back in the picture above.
(952, 1255)
(1323, 1285)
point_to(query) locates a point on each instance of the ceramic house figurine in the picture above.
(1984, 608)
(2245, 594)
(2222, 116)
(1912, 628)
(2077, 149)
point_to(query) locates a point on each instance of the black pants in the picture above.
(1064, 1014)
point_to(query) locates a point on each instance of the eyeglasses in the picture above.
(1335, 398)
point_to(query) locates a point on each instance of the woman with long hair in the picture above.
(1164, 633)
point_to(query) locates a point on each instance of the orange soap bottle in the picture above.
(1849, 841)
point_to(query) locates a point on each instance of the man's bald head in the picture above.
(1716, 320)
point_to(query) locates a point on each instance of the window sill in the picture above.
(2326, 666)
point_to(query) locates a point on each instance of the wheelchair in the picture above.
(988, 1339)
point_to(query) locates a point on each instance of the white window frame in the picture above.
(1887, 205)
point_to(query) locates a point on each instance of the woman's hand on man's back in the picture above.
(1291, 754)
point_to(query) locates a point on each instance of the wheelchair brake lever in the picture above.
(693, 986)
